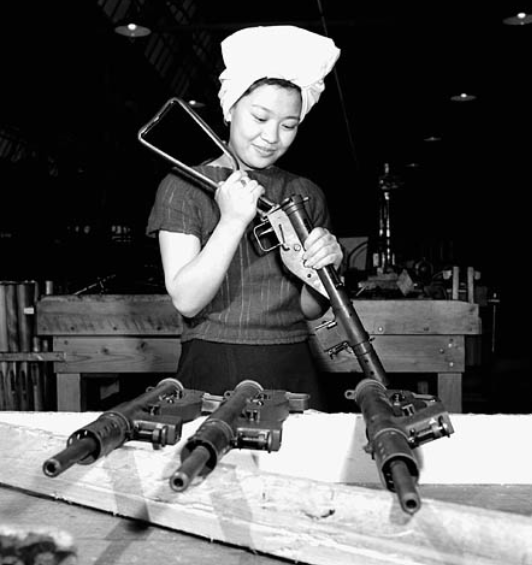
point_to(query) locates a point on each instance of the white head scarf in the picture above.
(291, 53)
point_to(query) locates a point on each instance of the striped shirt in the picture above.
(259, 299)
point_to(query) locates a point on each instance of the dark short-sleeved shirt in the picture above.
(259, 299)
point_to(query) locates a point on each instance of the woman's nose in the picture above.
(270, 133)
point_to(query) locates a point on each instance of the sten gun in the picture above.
(248, 417)
(392, 437)
(398, 421)
(290, 223)
(156, 416)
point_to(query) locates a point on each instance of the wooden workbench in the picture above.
(110, 334)
(103, 539)
(317, 501)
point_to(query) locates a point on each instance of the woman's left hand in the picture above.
(322, 249)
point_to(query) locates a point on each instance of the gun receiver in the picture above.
(156, 416)
(248, 417)
(396, 423)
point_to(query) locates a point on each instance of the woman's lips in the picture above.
(265, 151)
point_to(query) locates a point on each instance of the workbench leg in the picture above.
(69, 392)
(450, 391)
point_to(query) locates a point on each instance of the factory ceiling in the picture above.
(74, 93)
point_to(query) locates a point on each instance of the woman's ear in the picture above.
(229, 115)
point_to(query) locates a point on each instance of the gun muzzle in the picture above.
(74, 453)
(190, 468)
(405, 485)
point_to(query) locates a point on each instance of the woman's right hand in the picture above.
(237, 198)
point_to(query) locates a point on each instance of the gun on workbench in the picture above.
(248, 417)
(290, 223)
(156, 416)
(392, 435)
(398, 421)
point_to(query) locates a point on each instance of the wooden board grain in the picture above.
(258, 501)
(117, 354)
(400, 354)
(141, 314)
(102, 538)
(416, 317)
(142, 334)
(107, 314)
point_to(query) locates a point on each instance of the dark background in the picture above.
(76, 185)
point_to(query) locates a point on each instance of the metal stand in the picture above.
(384, 259)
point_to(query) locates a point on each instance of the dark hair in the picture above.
(268, 81)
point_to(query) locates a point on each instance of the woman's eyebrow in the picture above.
(269, 111)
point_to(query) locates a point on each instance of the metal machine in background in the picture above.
(384, 257)
(384, 273)
(433, 272)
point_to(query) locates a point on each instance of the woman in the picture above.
(244, 313)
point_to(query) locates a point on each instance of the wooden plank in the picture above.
(15, 382)
(110, 314)
(117, 354)
(401, 354)
(408, 354)
(103, 539)
(303, 519)
(430, 354)
(155, 315)
(6, 395)
(69, 392)
(450, 391)
(424, 317)
(32, 356)
(515, 499)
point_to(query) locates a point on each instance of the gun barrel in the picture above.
(214, 437)
(356, 335)
(405, 486)
(155, 416)
(388, 442)
(190, 468)
(74, 453)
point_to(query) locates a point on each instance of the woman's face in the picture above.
(264, 124)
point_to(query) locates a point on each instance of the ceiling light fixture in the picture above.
(519, 19)
(132, 25)
(463, 97)
(196, 104)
